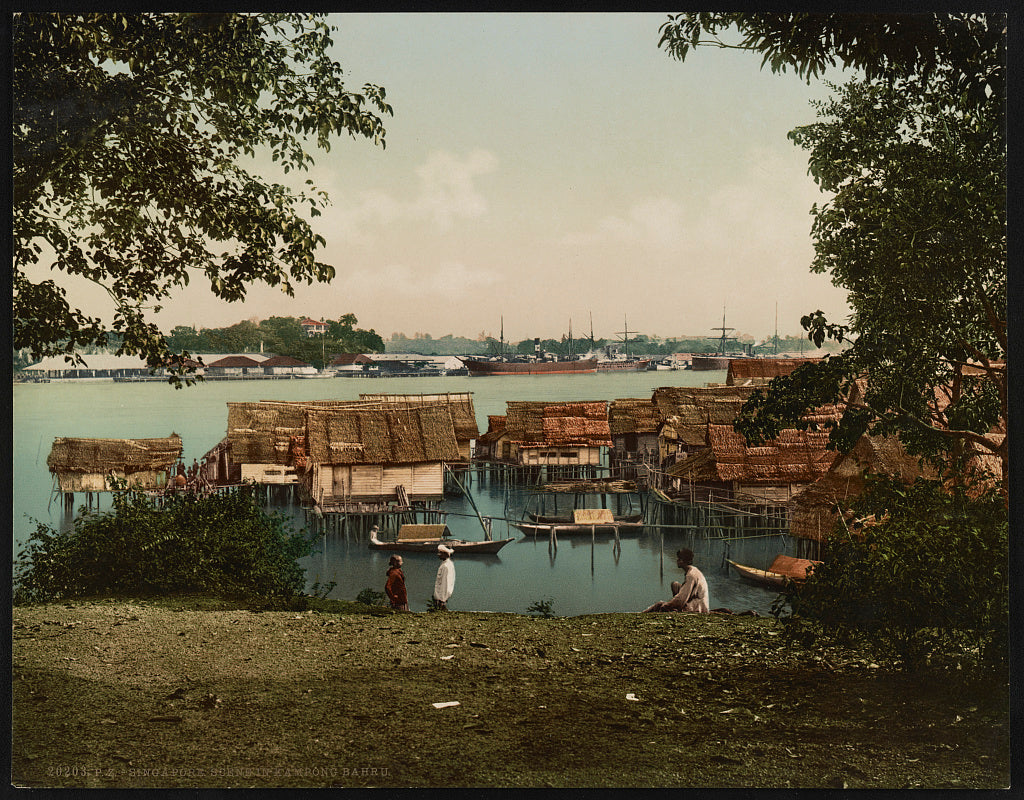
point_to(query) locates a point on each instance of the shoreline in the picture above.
(196, 692)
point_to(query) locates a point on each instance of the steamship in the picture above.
(538, 364)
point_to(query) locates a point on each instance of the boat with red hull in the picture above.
(479, 368)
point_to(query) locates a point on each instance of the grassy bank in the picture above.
(196, 693)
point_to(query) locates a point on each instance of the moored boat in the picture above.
(426, 538)
(583, 521)
(783, 570)
(477, 367)
(623, 365)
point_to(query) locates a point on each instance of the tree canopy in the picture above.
(280, 335)
(131, 138)
(912, 156)
(970, 47)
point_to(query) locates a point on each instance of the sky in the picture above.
(556, 169)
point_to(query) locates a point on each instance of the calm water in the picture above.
(580, 576)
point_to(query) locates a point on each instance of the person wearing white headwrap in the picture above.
(445, 582)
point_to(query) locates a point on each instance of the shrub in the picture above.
(224, 544)
(928, 579)
(371, 597)
(542, 607)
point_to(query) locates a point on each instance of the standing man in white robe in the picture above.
(445, 582)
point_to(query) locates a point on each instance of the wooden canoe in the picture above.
(410, 540)
(584, 521)
(782, 570)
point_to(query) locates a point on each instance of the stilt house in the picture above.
(727, 470)
(555, 434)
(488, 446)
(259, 441)
(377, 455)
(685, 412)
(633, 425)
(87, 465)
(816, 510)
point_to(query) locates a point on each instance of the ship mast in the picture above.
(723, 338)
(625, 334)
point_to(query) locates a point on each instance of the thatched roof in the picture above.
(815, 509)
(260, 433)
(459, 404)
(761, 370)
(360, 435)
(495, 428)
(794, 457)
(686, 411)
(118, 455)
(632, 415)
(541, 423)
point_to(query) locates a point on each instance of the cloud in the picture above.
(446, 192)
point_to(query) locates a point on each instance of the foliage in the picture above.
(371, 597)
(131, 137)
(928, 577)
(542, 607)
(280, 335)
(916, 231)
(223, 544)
(885, 46)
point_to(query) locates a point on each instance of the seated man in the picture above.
(691, 594)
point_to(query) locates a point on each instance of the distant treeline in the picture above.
(283, 336)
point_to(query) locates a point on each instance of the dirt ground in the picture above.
(193, 693)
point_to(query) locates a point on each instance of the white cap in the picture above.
(442, 549)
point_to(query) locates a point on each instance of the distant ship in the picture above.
(479, 368)
(719, 360)
(623, 364)
(619, 362)
(537, 364)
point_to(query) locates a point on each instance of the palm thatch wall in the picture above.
(84, 465)
(686, 411)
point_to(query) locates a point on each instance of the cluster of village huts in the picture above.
(393, 451)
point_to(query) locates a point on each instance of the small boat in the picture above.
(783, 570)
(426, 538)
(561, 520)
(584, 520)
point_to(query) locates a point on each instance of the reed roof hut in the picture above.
(758, 371)
(542, 423)
(378, 454)
(85, 465)
(563, 433)
(685, 412)
(260, 433)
